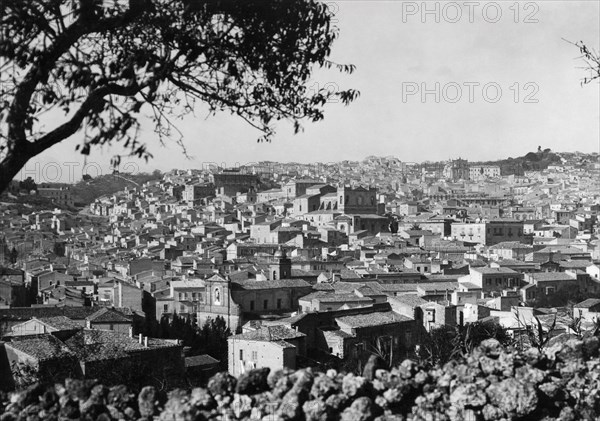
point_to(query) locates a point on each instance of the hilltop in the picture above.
(88, 191)
(532, 161)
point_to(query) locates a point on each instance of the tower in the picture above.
(281, 268)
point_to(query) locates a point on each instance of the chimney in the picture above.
(131, 331)
(145, 341)
(140, 338)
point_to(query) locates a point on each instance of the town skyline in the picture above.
(71, 172)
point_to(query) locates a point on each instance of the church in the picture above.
(249, 299)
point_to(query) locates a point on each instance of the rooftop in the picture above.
(41, 347)
(269, 334)
(372, 319)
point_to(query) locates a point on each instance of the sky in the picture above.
(437, 81)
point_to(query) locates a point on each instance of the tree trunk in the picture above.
(11, 165)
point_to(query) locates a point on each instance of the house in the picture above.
(187, 295)
(332, 300)
(489, 232)
(272, 296)
(109, 319)
(200, 368)
(13, 292)
(275, 347)
(54, 325)
(14, 316)
(112, 357)
(549, 283)
(45, 354)
(492, 280)
(387, 329)
(435, 315)
(588, 310)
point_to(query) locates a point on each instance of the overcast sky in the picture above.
(497, 85)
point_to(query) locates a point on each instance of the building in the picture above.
(357, 200)
(492, 280)
(488, 232)
(481, 172)
(193, 193)
(457, 169)
(61, 195)
(107, 356)
(275, 347)
(229, 182)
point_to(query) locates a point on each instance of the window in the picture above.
(252, 305)
(279, 303)
(254, 356)
(241, 354)
(182, 308)
(430, 315)
(165, 307)
(265, 304)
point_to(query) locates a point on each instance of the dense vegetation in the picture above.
(86, 191)
(210, 338)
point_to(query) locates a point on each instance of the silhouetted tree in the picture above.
(591, 58)
(102, 63)
(28, 184)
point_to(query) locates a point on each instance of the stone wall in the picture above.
(561, 383)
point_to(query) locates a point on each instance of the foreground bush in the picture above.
(560, 383)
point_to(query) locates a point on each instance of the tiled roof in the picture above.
(412, 300)
(108, 315)
(372, 319)
(270, 334)
(60, 322)
(575, 264)
(336, 333)
(200, 360)
(494, 271)
(283, 283)
(27, 313)
(95, 345)
(590, 302)
(335, 297)
(437, 286)
(551, 276)
(41, 347)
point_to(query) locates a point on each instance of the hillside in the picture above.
(532, 161)
(88, 191)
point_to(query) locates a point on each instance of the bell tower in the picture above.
(281, 268)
